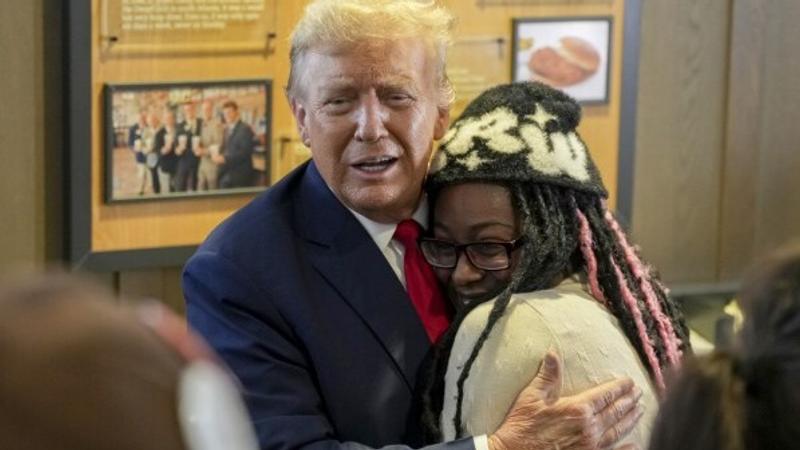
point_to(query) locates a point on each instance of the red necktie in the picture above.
(421, 282)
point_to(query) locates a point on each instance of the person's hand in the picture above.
(593, 419)
(219, 159)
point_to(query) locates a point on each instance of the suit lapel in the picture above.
(347, 257)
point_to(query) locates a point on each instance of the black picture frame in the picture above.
(79, 253)
(112, 130)
(584, 90)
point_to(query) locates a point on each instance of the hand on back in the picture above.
(594, 419)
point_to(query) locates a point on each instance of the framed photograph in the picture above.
(191, 139)
(570, 53)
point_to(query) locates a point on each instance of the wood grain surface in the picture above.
(680, 136)
(777, 213)
(742, 138)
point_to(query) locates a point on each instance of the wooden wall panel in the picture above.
(159, 284)
(778, 208)
(761, 197)
(31, 139)
(680, 131)
(740, 170)
(21, 122)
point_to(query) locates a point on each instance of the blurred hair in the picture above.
(341, 23)
(703, 410)
(569, 231)
(750, 398)
(80, 372)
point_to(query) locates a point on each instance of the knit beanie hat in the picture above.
(517, 132)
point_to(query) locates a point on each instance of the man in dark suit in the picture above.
(309, 292)
(236, 159)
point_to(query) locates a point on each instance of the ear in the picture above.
(300, 115)
(442, 122)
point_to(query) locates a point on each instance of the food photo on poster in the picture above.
(571, 54)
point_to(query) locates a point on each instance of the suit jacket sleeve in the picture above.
(278, 384)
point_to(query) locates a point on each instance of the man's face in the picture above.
(208, 110)
(169, 118)
(231, 114)
(153, 120)
(188, 111)
(370, 114)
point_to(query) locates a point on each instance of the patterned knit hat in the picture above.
(517, 132)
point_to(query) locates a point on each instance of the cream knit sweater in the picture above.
(587, 338)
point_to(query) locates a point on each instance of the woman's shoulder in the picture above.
(563, 302)
(566, 319)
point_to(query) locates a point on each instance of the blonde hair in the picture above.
(347, 22)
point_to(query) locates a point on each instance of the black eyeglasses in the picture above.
(483, 255)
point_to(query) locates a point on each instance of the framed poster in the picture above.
(116, 218)
(178, 140)
(571, 53)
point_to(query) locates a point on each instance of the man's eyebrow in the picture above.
(396, 78)
(338, 84)
(382, 83)
(397, 81)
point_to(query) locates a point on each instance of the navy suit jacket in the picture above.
(296, 297)
(238, 146)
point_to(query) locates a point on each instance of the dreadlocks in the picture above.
(573, 232)
(523, 136)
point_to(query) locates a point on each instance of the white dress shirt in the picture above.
(382, 234)
(394, 252)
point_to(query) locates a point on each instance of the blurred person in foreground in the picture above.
(80, 372)
(746, 397)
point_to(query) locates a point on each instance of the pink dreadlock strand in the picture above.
(642, 275)
(647, 343)
(586, 242)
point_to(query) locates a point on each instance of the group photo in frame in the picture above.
(187, 139)
(569, 53)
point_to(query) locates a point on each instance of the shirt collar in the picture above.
(382, 233)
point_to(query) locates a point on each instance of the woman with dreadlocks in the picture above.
(526, 247)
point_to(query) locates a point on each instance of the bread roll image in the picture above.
(572, 62)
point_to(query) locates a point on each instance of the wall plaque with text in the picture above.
(183, 26)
